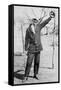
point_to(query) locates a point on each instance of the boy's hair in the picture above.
(34, 20)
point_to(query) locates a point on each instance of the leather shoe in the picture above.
(36, 77)
(25, 79)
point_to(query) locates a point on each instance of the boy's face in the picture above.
(34, 24)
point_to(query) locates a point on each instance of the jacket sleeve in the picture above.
(44, 23)
(26, 41)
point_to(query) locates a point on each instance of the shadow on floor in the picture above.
(20, 75)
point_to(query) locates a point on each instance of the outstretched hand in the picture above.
(52, 14)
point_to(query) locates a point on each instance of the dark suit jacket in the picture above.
(33, 41)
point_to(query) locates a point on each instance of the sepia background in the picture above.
(48, 71)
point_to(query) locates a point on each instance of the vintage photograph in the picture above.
(35, 44)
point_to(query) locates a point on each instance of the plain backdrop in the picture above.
(4, 44)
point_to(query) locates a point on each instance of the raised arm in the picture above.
(52, 15)
(45, 22)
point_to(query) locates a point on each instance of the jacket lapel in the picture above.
(31, 33)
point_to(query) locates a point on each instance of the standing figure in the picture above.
(33, 44)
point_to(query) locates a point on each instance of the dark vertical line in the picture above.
(13, 40)
(10, 45)
(58, 44)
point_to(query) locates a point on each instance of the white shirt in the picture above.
(33, 28)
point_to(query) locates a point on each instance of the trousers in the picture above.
(30, 58)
